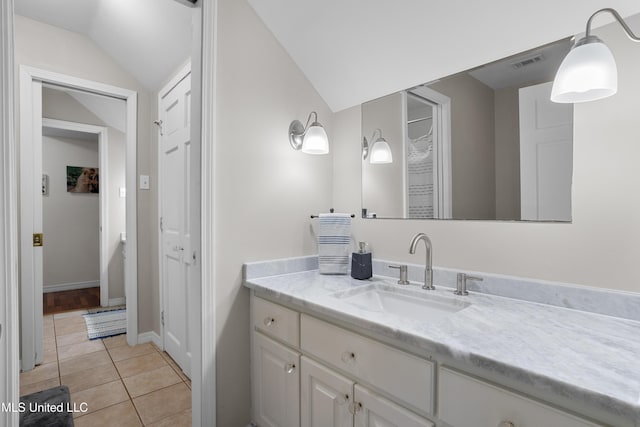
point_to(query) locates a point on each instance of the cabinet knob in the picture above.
(289, 368)
(268, 321)
(348, 356)
(506, 424)
(355, 407)
(342, 399)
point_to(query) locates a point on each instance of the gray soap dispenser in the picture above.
(361, 263)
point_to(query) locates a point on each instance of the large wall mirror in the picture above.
(483, 144)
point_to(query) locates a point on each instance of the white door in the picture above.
(546, 155)
(372, 410)
(275, 377)
(325, 396)
(175, 227)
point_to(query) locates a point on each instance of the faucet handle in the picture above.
(403, 274)
(461, 283)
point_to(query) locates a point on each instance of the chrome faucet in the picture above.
(428, 270)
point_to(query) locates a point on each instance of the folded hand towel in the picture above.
(334, 241)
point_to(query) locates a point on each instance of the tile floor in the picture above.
(122, 385)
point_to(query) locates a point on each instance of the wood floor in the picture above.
(78, 299)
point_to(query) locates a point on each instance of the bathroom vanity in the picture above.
(331, 350)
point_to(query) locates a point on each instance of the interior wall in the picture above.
(599, 248)
(265, 191)
(507, 152)
(61, 106)
(383, 187)
(70, 220)
(472, 146)
(47, 47)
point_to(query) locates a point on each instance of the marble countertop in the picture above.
(579, 355)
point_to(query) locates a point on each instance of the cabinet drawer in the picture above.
(407, 377)
(276, 320)
(468, 402)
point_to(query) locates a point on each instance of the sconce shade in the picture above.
(587, 73)
(310, 139)
(380, 152)
(315, 140)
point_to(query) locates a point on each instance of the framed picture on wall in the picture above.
(81, 179)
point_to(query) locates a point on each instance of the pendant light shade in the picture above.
(587, 73)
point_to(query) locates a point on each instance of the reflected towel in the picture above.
(334, 241)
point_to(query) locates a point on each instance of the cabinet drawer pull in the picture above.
(348, 356)
(506, 424)
(268, 321)
(289, 368)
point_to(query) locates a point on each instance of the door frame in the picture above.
(173, 82)
(102, 133)
(31, 80)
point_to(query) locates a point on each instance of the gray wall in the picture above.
(70, 220)
(472, 147)
(507, 152)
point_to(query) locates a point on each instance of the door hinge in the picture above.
(161, 224)
(38, 239)
(162, 317)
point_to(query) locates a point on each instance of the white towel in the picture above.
(334, 242)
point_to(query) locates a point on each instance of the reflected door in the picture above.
(546, 155)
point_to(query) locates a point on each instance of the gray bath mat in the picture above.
(47, 408)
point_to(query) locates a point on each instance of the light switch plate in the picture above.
(144, 182)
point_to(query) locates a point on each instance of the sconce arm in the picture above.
(620, 20)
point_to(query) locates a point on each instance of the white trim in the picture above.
(31, 114)
(441, 149)
(9, 306)
(151, 337)
(116, 301)
(204, 374)
(103, 148)
(69, 286)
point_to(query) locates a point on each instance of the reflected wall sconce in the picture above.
(311, 139)
(589, 71)
(379, 152)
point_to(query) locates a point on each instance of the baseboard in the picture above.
(116, 301)
(150, 336)
(70, 286)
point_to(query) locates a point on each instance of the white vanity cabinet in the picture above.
(275, 373)
(330, 399)
(294, 384)
(489, 405)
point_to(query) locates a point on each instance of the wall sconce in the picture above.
(311, 139)
(589, 71)
(379, 152)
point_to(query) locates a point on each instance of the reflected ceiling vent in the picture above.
(529, 60)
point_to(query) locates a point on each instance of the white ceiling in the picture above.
(357, 50)
(150, 39)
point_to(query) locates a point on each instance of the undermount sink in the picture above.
(411, 304)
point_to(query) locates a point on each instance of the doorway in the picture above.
(31, 273)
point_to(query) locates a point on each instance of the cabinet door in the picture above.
(275, 383)
(325, 396)
(372, 410)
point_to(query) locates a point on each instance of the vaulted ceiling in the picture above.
(356, 50)
(148, 38)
